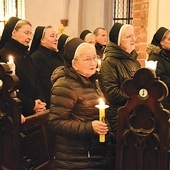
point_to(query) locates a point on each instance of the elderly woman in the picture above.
(159, 50)
(119, 64)
(45, 58)
(74, 119)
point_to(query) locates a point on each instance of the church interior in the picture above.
(143, 125)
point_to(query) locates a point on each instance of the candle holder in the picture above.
(102, 106)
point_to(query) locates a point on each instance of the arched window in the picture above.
(122, 11)
(9, 8)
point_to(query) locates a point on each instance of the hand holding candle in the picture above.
(102, 108)
(11, 64)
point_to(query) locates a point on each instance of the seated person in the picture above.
(74, 119)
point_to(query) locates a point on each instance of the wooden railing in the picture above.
(22, 146)
(143, 128)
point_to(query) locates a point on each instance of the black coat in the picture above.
(72, 110)
(117, 66)
(100, 49)
(163, 69)
(45, 61)
(29, 89)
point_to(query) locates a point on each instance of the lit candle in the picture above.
(102, 108)
(99, 61)
(11, 64)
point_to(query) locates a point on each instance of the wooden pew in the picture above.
(9, 118)
(24, 146)
(142, 132)
(35, 138)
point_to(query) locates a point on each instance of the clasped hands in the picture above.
(39, 106)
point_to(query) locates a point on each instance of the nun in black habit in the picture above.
(45, 57)
(159, 50)
(15, 42)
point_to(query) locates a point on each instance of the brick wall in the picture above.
(140, 23)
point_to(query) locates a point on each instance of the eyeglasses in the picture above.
(130, 36)
(89, 59)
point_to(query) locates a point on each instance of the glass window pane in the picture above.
(2, 10)
(1, 27)
(122, 11)
(9, 8)
(21, 8)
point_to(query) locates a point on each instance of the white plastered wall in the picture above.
(159, 16)
(82, 14)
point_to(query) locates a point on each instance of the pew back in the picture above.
(24, 146)
(142, 133)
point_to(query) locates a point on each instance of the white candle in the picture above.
(102, 108)
(11, 64)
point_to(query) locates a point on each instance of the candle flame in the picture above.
(101, 102)
(99, 61)
(11, 60)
